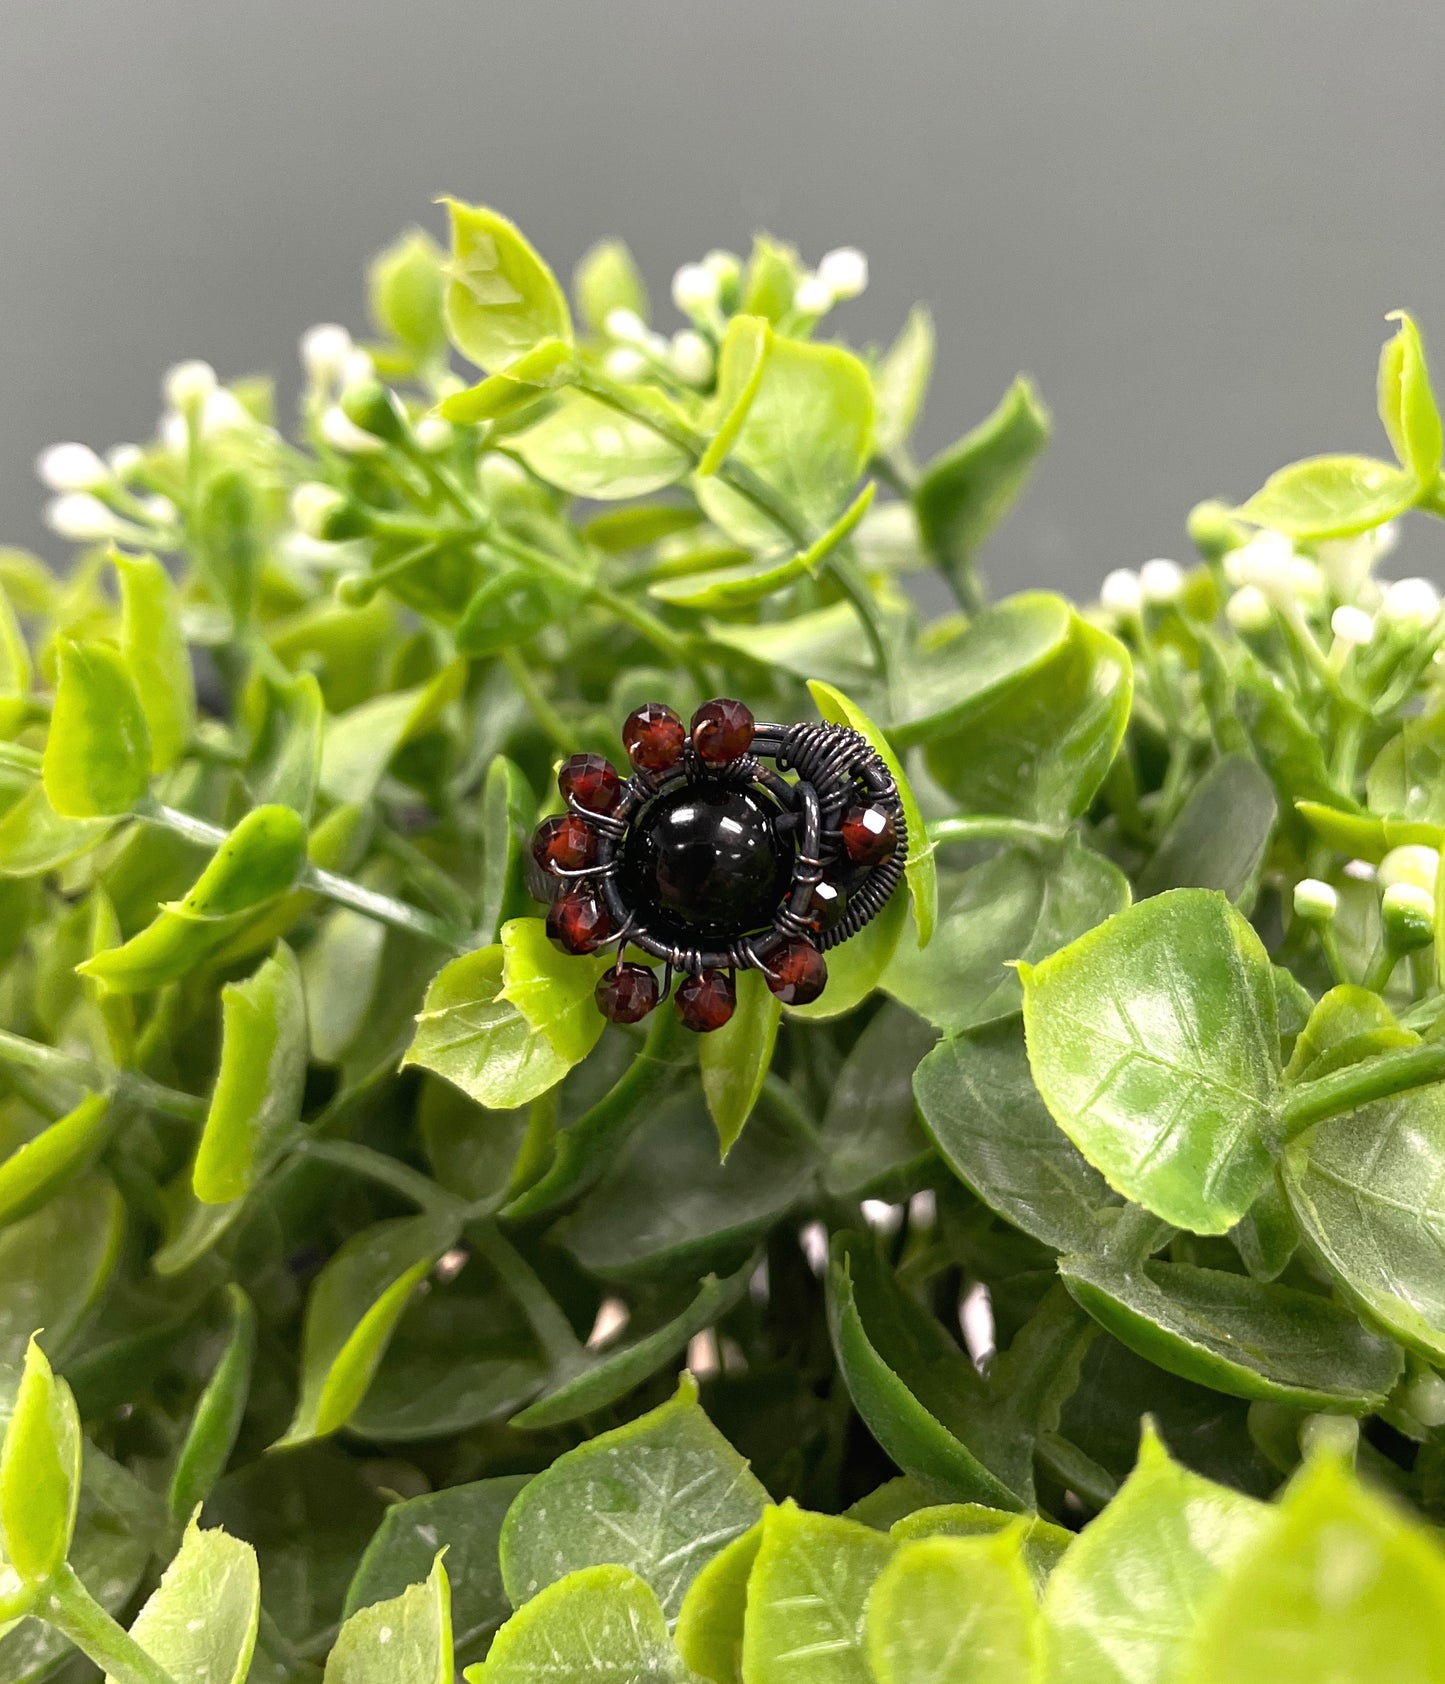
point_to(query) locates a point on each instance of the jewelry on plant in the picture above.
(712, 861)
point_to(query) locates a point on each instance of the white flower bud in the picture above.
(1315, 900)
(83, 518)
(1306, 582)
(1408, 914)
(124, 459)
(724, 264)
(342, 433)
(845, 271)
(1120, 592)
(161, 510)
(432, 433)
(324, 350)
(311, 505)
(189, 383)
(692, 357)
(1248, 610)
(1352, 626)
(695, 288)
(1335, 1436)
(814, 296)
(622, 362)
(879, 1214)
(174, 432)
(1424, 1397)
(223, 412)
(500, 473)
(625, 326)
(70, 467)
(1263, 561)
(357, 367)
(1412, 602)
(1414, 864)
(1161, 581)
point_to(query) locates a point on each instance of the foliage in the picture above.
(361, 1258)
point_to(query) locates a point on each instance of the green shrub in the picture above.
(367, 1257)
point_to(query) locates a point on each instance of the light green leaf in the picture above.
(857, 966)
(55, 1262)
(200, 1622)
(406, 1640)
(709, 1630)
(39, 1471)
(597, 1623)
(286, 758)
(1153, 1040)
(900, 382)
(1331, 497)
(735, 1059)
(589, 449)
(154, 647)
(742, 356)
(553, 991)
(17, 670)
(1407, 404)
(35, 838)
(360, 743)
(500, 298)
(1406, 781)
(1041, 1544)
(226, 535)
(98, 751)
(660, 1496)
(341, 970)
(523, 385)
(508, 807)
(216, 1420)
(943, 1605)
(806, 1595)
(404, 289)
(36, 1170)
(607, 279)
(1123, 1601)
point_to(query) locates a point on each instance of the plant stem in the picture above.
(71, 1609)
(991, 829)
(20, 1052)
(560, 1345)
(1375, 1078)
(386, 1171)
(561, 733)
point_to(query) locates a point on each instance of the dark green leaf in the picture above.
(1219, 837)
(870, 1131)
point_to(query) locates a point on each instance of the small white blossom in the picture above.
(692, 357)
(124, 459)
(324, 350)
(695, 288)
(879, 1214)
(623, 362)
(342, 433)
(161, 510)
(814, 296)
(845, 271)
(1424, 1397)
(1315, 900)
(500, 473)
(83, 518)
(1306, 582)
(1414, 863)
(1352, 626)
(1121, 593)
(312, 503)
(223, 412)
(70, 467)
(1413, 602)
(1263, 562)
(173, 432)
(357, 367)
(1161, 581)
(625, 326)
(1248, 610)
(1408, 912)
(724, 264)
(189, 383)
(432, 433)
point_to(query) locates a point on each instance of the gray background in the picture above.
(1185, 217)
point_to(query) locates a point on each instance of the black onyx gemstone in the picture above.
(705, 862)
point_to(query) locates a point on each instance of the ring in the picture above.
(712, 861)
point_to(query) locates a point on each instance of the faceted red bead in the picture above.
(722, 731)
(590, 782)
(577, 922)
(653, 736)
(825, 907)
(870, 834)
(705, 1001)
(626, 993)
(797, 972)
(564, 843)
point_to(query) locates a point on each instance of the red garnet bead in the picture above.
(653, 736)
(826, 906)
(706, 1001)
(577, 922)
(626, 993)
(564, 843)
(797, 972)
(870, 834)
(722, 731)
(590, 781)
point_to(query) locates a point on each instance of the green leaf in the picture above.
(806, 1596)
(613, 1373)
(154, 648)
(466, 1521)
(966, 491)
(1154, 1042)
(857, 967)
(1020, 905)
(1407, 404)
(352, 1310)
(1121, 1605)
(359, 744)
(709, 1630)
(39, 1472)
(227, 537)
(993, 1130)
(1331, 497)
(286, 758)
(38, 1169)
(406, 1640)
(508, 807)
(17, 670)
(941, 1599)
(1340, 1584)
(522, 386)
(34, 838)
(507, 610)
(771, 279)
(200, 1622)
(341, 971)
(660, 1496)
(404, 289)
(216, 1420)
(836, 709)
(256, 1101)
(1406, 780)
(588, 448)
(1219, 837)
(807, 436)
(599, 1622)
(870, 1134)
(256, 864)
(500, 298)
(607, 279)
(1288, 746)
(55, 1263)
(98, 751)
(1041, 1544)
(900, 382)
(742, 356)
(469, 1034)
(735, 1059)
(553, 991)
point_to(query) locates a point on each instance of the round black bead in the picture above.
(706, 862)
